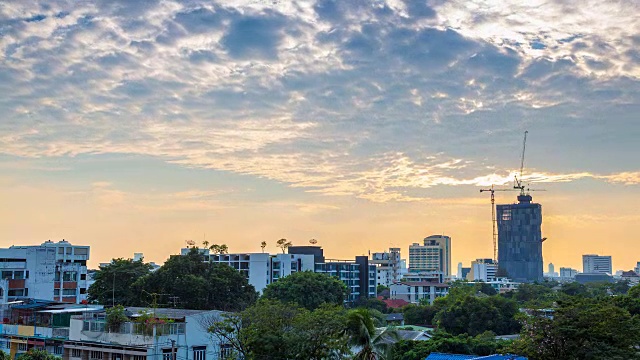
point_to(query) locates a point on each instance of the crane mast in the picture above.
(518, 178)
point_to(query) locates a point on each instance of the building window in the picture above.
(139, 357)
(167, 354)
(69, 292)
(16, 292)
(76, 353)
(226, 351)
(19, 275)
(95, 355)
(83, 276)
(115, 356)
(68, 251)
(58, 350)
(7, 274)
(83, 290)
(56, 292)
(199, 352)
(22, 347)
(81, 251)
(70, 276)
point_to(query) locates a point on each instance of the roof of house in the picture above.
(423, 283)
(170, 313)
(441, 356)
(394, 317)
(396, 303)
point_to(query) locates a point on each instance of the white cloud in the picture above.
(369, 99)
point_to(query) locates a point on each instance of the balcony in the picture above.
(129, 333)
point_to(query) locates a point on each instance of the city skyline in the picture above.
(134, 126)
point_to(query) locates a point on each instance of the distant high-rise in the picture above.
(433, 256)
(595, 264)
(520, 240)
(551, 268)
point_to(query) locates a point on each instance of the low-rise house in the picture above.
(441, 356)
(415, 292)
(39, 324)
(158, 334)
(395, 319)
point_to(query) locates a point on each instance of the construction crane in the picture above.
(517, 182)
(493, 218)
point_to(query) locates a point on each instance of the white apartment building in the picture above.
(51, 271)
(483, 270)
(433, 255)
(389, 266)
(596, 264)
(567, 273)
(261, 269)
(415, 292)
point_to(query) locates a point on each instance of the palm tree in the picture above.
(263, 245)
(205, 244)
(362, 336)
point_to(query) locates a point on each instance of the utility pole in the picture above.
(173, 350)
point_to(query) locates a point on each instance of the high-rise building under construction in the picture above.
(520, 239)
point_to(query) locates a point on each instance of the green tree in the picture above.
(362, 335)
(35, 354)
(219, 249)
(307, 289)
(271, 329)
(197, 284)
(115, 317)
(113, 282)
(533, 295)
(474, 315)
(372, 303)
(581, 328)
(419, 314)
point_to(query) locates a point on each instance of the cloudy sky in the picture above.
(137, 125)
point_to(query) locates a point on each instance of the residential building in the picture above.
(415, 292)
(630, 276)
(430, 276)
(388, 266)
(637, 268)
(261, 269)
(433, 255)
(51, 271)
(170, 334)
(40, 324)
(567, 273)
(520, 239)
(596, 264)
(358, 275)
(483, 270)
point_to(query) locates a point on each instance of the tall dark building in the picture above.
(520, 240)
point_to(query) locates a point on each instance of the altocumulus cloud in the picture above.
(361, 98)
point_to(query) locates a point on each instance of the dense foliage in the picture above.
(35, 354)
(307, 289)
(183, 281)
(114, 282)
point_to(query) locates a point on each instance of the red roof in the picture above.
(395, 303)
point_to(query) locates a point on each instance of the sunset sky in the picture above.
(132, 126)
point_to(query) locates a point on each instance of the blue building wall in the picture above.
(520, 240)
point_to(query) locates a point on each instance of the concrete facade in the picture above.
(596, 264)
(51, 271)
(433, 255)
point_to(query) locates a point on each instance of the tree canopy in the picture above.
(307, 289)
(193, 283)
(114, 282)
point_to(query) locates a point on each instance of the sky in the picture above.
(134, 126)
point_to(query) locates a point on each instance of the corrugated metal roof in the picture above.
(441, 356)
